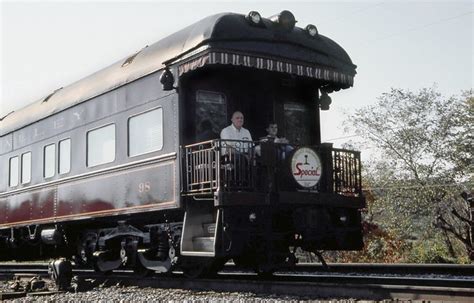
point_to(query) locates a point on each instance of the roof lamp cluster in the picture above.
(254, 18)
(285, 19)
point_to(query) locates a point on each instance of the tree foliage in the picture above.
(422, 162)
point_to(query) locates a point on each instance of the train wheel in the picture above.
(105, 262)
(141, 271)
(265, 271)
(98, 270)
(202, 267)
(248, 261)
(194, 271)
(196, 267)
(216, 266)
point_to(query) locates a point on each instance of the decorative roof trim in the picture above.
(266, 63)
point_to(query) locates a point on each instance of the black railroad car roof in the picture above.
(222, 32)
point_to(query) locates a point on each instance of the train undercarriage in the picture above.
(260, 238)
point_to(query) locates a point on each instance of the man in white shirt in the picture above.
(236, 131)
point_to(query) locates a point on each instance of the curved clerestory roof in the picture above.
(225, 33)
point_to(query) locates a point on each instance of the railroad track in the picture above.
(402, 269)
(343, 281)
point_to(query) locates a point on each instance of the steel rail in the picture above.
(301, 284)
(313, 289)
(382, 268)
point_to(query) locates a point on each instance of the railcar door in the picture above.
(296, 113)
(211, 114)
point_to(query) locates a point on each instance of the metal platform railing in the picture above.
(347, 176)
(231, 165)
(228, 164)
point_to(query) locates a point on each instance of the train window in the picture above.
(13, 172)
(101, 145)
(297, 121)
(211, 114)
(64, 156)
(49, 160)
(145, 132)
(26, 167)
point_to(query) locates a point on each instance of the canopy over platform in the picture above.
(223, 39)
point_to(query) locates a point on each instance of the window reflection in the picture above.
(296, 123)
(64, 156)
(145, 132)
(49, 160)
(13, 171)
(101, 145)
(26, 168)
(211, 115)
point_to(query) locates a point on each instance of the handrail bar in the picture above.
(228, 165)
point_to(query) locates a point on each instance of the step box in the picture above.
(209, 229)
(203, 244)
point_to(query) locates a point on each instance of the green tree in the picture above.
(422, 163)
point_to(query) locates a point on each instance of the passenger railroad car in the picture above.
(113, 170)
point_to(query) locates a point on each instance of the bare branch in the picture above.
(460, 217)
(449, 228)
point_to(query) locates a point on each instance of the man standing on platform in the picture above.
(236, 131)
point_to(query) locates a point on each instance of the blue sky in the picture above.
(403, 44)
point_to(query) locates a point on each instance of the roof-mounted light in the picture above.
(324, 100)
(254, 18)
(311, 30)
(167, 79)
(285, 19)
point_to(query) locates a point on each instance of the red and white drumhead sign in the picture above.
(306, 167)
